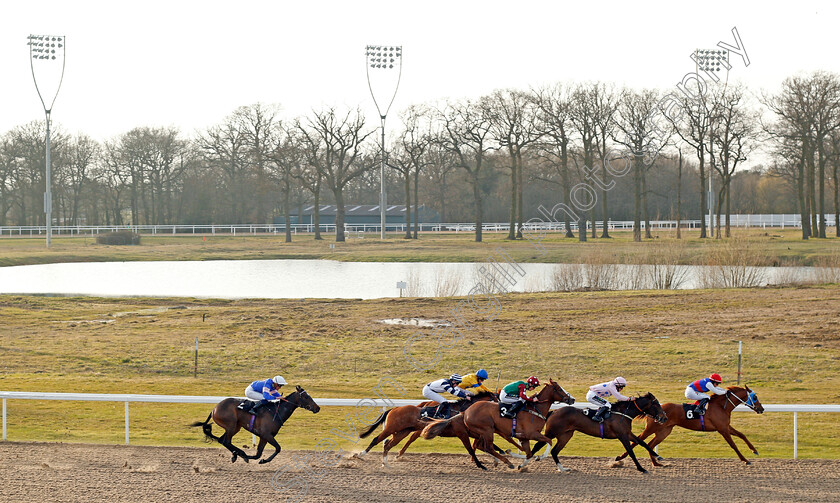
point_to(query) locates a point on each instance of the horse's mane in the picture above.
(483, 394)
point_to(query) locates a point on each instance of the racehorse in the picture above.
(265, 424)
(717, 419)
(484, 419)
(400, 421)
(563, 423)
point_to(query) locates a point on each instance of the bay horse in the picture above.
(484, 420)
(400, 421)
(717, 419)
(563, 423)
(265, 424)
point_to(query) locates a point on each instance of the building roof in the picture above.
(355, 209)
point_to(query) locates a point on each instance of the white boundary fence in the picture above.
(763, 221)
(327, 402)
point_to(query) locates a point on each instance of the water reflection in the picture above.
(330, 279)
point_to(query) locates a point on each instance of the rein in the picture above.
(748, 402)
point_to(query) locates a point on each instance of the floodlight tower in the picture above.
(383, 59)
(710, 61)
(47, 52)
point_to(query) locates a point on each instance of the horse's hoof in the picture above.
(262, 461)
(563, 469)
(755, 452)
(645, 472)
(748, 463)
(482, 467)
(507, 451)
(660, 458)
(510, 466)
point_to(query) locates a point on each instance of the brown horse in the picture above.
(266, 424)
(716, 419)
(484, 419)
(400, 421)
(563, 423)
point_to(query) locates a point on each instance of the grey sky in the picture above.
(190, 63)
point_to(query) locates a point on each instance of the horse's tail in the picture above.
(435, 429)
(375, 424)
(207, 427)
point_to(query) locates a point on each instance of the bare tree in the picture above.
(467, 136)
(83, 152)
(288, 156)
(605, 106)
(639, 133)
(260, 125)
(556, 127)
(440, 163)
(513, 121)
(734, 133)
(410, 157)
(225, 149)
(336, 141)
(693, 127)
(583, 114)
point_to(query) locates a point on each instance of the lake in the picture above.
(278, 279)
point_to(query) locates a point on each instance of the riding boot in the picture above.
(701, 407)
(442, 411)
(599, 416)
(255, 409)
(246, 405)
(513, 409)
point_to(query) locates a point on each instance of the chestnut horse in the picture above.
(563, 423)
(716, 419)
(400, 421)
(484, 419)
(266, 423)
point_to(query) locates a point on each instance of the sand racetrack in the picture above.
(83, 472)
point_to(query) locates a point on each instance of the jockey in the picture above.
(473, 383)
(598, 394)
(698, 389)
(513, 397)
(433, 391)
(260, 393)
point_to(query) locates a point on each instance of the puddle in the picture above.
(416, 322)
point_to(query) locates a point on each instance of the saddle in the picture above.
(590, 413)
(428, 412)
(690, 410)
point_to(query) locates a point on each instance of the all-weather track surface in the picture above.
(41, 472)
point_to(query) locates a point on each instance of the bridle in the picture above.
(750, 402)
(306, 407)
(633, 401)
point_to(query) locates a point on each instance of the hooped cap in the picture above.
(620, 381)
(481, 374)
(716, 377)
(533, 381)
(278, 380)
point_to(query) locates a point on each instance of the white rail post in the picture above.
(795, 446)
(126, 423)
(4, 419)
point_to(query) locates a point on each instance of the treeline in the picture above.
(600, 152)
